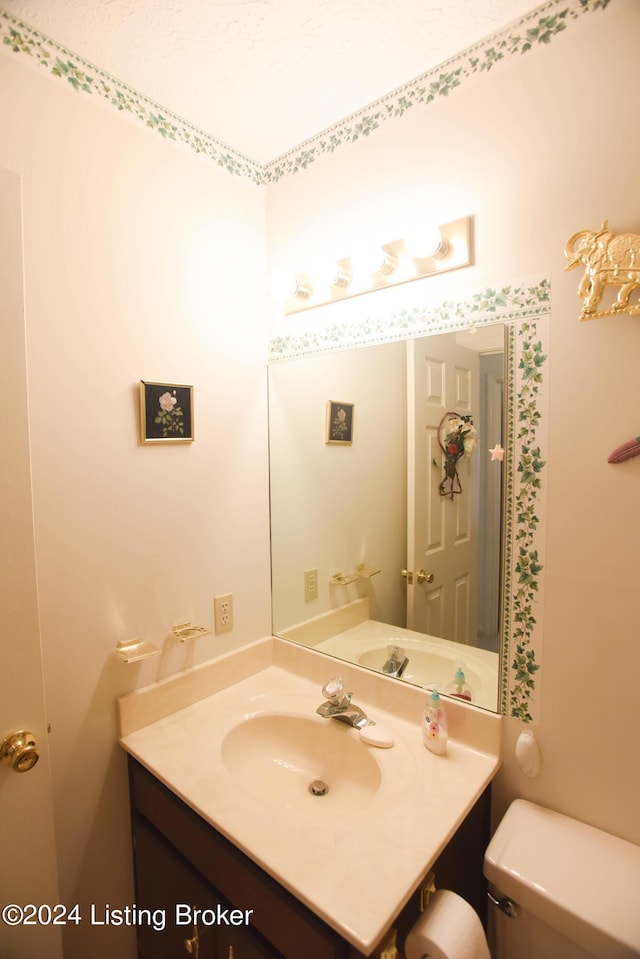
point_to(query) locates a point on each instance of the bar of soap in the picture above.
(376, 736)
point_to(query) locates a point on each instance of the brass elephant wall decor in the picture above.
(609, 259)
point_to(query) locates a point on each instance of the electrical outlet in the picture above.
(223, 613)
(310, 585)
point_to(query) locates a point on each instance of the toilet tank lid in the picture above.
(578, 879)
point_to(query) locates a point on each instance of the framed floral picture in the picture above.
(339, 423)
(166, 413)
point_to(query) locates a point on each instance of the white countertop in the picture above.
(355, 870)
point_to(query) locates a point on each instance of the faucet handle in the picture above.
(395, 652)
(333, 690)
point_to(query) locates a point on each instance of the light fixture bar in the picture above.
(455, 252)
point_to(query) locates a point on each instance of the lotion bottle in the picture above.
(434, 725)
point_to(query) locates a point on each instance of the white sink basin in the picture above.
(277, 758)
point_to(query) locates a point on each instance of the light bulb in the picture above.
(283, 285)
(327, 273)
(425, 240)
(370, 258)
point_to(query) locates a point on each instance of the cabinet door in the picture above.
(164, 880)
(245, 945)
(172, 891)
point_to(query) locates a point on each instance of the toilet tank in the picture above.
(578, 888)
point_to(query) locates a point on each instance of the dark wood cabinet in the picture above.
(188, 908)
(197, 894)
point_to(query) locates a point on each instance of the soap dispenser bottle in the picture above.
(459, 687)
(434, 725)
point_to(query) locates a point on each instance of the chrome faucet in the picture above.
(339, 706)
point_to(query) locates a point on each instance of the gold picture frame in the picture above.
(166, 413)
(339, 423)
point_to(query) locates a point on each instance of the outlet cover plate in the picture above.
(310, 585)
(223, 613)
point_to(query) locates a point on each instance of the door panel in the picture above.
(443, 377)
(28, 873)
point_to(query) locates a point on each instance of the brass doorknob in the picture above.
(19, 751)
(423, 577)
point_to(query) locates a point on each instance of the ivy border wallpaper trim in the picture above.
(85, 77)
(525, 309)
(491, 305)
(539, 27)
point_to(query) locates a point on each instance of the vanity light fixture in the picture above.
(285, 285)
(325, 274)
(340, 277)
(426, 241)
(422, 252)
(372, 259)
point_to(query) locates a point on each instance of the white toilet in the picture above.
(576, 889)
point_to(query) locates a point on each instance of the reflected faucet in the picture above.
(396, 662)
(339, 706)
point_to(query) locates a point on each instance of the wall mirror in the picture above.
(380, 555)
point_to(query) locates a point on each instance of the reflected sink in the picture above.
(276, 757)
(426, 667)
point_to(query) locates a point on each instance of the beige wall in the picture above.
(135, 259)
(329, 510)
(542, 146)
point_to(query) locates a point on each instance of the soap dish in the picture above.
(133, 650)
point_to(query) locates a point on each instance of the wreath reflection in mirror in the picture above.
(457, 436)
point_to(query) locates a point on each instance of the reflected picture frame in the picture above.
(166, 412)
(339, 431)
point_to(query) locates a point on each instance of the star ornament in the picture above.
(497, 453)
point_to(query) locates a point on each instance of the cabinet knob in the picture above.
(19, 751)
(193, 945)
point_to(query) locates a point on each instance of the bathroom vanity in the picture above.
(218, 758)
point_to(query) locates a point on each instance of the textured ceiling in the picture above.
(265, 75)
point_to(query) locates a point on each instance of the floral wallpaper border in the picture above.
(491, 305)
(525, 309)
(524, 516)
(538, 27)
(87, 78)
